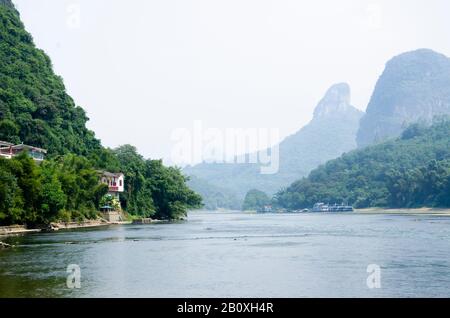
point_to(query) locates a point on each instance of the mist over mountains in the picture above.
(404, 141)
(331, 132)
(414, 88)
(411, 171)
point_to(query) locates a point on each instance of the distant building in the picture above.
(265, 209)
(8, 151)
(116, 185)
(5, 144)
(114, 181)
(111, 215)
(5, 150)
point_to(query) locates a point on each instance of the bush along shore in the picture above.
(67, 189)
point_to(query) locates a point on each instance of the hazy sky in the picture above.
(142, 68)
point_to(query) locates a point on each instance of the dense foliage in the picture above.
(412, 171)
(61, 189)
(67, 188)
(35, 109)
(151, 189)
(34, 106)
(255, 200)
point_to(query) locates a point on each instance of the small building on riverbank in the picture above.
(112, 211)
(5, 150)
(114, 181)
(9, 151)
(111, 215)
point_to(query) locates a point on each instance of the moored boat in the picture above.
(322, 207)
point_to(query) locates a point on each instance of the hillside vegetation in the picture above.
(36, 110)
(411, 171)
(34, 106)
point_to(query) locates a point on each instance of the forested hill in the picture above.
(330, 133)
(34, 106)
(411, 171)
(36, 110)
(215, 197)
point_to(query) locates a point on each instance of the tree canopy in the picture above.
(411, 171)
(255, 200)
(151, 189)
(67, 188)
(62, 189)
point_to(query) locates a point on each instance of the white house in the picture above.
(114, 181)
(5, 150)
(116, 185)
(8, 151)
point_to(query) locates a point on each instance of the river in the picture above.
(232, 254)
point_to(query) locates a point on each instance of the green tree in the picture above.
(29, 180)
(171, 196)
(11, 198)
(255, 200)
(153, 190)
(9, 131)
(53, 199)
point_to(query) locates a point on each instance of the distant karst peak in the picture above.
(414, 86)
(336, 99)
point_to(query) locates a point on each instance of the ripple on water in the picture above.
(240, 255)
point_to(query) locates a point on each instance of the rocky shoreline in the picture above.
(53, 227)
(4, 246)
(146, 221)
(16, 229)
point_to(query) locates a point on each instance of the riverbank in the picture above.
(16, 230)
(22, 229)
(419, 211)
(80, 225)
(145, 221)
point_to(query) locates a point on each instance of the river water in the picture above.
(231, 254)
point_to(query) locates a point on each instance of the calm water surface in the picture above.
(237, 255)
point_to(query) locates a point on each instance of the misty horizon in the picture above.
(166, 65)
